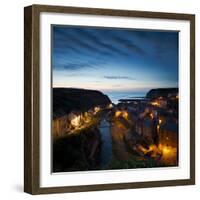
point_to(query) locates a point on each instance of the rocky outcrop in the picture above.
(77, 152)
(66, 100)
(161, 92)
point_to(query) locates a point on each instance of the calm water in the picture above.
(115, 96)
(106, 148)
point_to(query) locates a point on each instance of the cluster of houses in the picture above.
(155, 120)
(74, 120)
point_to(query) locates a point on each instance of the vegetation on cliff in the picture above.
(66, 100)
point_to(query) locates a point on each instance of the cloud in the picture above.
(129, 45)
(89, 47)
(75, 66)
(117, 86)
(107, 47)
(86, 41)
(119, 77)
(84, 48)
(72, 39)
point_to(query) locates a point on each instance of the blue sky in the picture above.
(111, 59)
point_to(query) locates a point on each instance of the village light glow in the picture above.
(155, 103)
(117, 113)
(110, 106)
(86, 117)
(76, 121)
(158, 127)
(152, 148)
(166, 150)
(96, 109)
(123, 114)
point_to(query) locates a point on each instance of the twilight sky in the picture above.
(114, 59)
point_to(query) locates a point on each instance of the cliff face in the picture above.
(161, 92)
(66, 100)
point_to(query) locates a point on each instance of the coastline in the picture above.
(137, 132)
(115, 96)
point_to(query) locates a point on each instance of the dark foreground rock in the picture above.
(77, 152)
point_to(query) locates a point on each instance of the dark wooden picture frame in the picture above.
(32, 96)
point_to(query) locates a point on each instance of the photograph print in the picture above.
(115, 98)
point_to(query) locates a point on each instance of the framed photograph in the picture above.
(109, 99)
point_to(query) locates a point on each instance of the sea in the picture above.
(115, 96)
